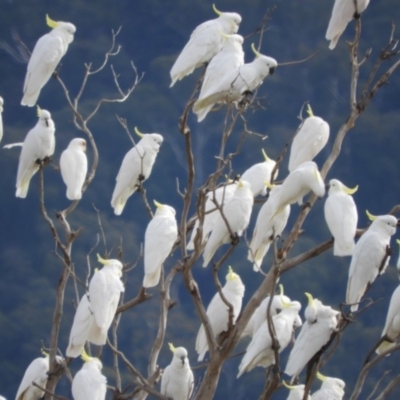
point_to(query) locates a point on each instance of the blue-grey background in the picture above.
(153, 34)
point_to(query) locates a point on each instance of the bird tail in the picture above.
(30, 99)
(74, 351)
(74, 195)
(151, 280)
(384, 346)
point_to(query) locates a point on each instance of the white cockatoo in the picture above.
(236, 84)
(392, 325)
(84, 328)
(89, 382)
(312, 337)
(298, 183)
(135, 168)
(161, 234)
(36, 372)
(38, 146)
(271, 221)
(1, 117)
(260, 314)
(177, 380)
(229, 58)
(311, 138)
(296, 392)
(259, 352)
(343, 12)
(74, 166)
(368, 256)
(259, 175)
(237, 213)
(341, 217)
(105, 289)
(218, 311)
(222, 195)
(205, 42)
(311, 311)
(46, 55)
(331, 388)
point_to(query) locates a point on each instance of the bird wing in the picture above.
(80, 329)
(204, 43)
(73, 165)
(341, 217)
(342, 13)
(392, 325)
(364, 267)
(160, 236)
(89, 384)
(310, 340)
(46, 54)
(166, 376)
(36, 371)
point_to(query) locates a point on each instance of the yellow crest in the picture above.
(140, 134)
(50, 22)
(172, 347)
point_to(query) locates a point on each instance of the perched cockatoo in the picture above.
(46, 55)
(341, 217)
(84, 328)
(1, 117)
(331, 388)
(259, 175)
(74, 165)
(235, 84)
(312, 337)
(298, 183)
(222, 195)
(313, 306)
(205, 42)
(259, 352)
(368, 256)
(135, 168)
(296, 392)
(218, 311)
(343, 12)
(229, 58)
(161, 234)
(36, 372)
(311, 138)
(89, 382)
(392, 325)
(177, 381)
(38, 147)
(271, 221)
(105, 289)
(237, 213)
(260, 314)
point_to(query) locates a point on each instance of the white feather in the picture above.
(221, 196)
(237, 212)
(259, 352)
(177, 381)
(331, 389)
(341, 217)
(105, 289)
(84, 328)
(218, 311)
(89, 383)
(269, 224)
(312, 337)
(311, 138)
(73, 165)
(45, 57)
(301, 181)
(38, 145)
(342, 13)
(297, 393)
(137, 163)
(204, 43)
(368, 255)
(235, 84)
(160, 236)
(392, 324)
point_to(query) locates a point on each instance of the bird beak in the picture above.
(398, 222)
(183, 360)
(327, 186)
(271, 70)
(47, 122)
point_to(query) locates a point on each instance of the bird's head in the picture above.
(44, 116)
(113, 264)
(91, 362)
(180, 353)
(268, 64)
(231, 20)
(164, 209)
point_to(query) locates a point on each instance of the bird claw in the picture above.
(235, 239)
